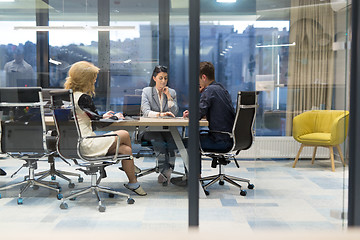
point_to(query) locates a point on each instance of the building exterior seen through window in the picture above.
(247, 55)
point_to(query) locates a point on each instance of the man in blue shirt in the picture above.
(216, 106)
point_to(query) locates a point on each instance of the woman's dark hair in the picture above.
(158, 69)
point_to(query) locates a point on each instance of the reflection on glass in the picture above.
(18, 72)
(133, 55)
(64, 51)
(297, 63)
(17, 55)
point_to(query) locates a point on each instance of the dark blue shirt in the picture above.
(216, 105)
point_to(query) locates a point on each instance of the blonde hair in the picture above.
(81, 77)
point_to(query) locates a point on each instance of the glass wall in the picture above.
(134, 48)
(17, 45)
(295, 53)
(71, 38)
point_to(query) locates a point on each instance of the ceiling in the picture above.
(147, 10)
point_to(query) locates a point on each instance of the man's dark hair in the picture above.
(207, 68)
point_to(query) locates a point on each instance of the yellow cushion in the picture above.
(316, 139)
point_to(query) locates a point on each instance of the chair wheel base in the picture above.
(130, 201)
(64, 206)
(221, 182)
(243, 192)
(111, 195)
(19, 201)
(80, 179)
(71, 185)
(59, 196)
(102, 208)
(251, 186)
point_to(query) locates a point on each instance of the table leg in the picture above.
(180, 145)
(184, 154)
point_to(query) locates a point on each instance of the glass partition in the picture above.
(294, 53)
(72, 37)
(134, 49)
(17, 46)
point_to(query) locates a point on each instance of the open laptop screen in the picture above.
(132, 105)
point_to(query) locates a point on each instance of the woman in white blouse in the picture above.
(158, 100)
(81, 79)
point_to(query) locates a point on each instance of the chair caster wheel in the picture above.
(71, 185)
(80, 179)
(165, 184)
(60, 189)
(35, 187)
(221, 183)
(19, 201)
(102, 208)
(59, 196)
(111, 195)
(64, 205)
(207, 193)
(243, 192)
(251, 186)
(53, 177)
(72, 199)
(130, 201)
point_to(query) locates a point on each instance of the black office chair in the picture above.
(23, 134)
(68, 146)
(242, 135)
(51, 145)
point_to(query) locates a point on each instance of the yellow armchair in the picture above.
(321, 128)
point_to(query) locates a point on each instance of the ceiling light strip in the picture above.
(76, 28)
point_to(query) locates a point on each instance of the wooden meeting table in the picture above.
(151, 124)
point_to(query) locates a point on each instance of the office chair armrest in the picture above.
(99, 136)
(339, 129)
(116, 155)
(213, 131)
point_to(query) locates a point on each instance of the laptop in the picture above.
(132, 106)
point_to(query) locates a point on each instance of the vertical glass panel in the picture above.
(179, 52)
(295, 54)
(133, 48)
(17, 44)
(72, 36)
